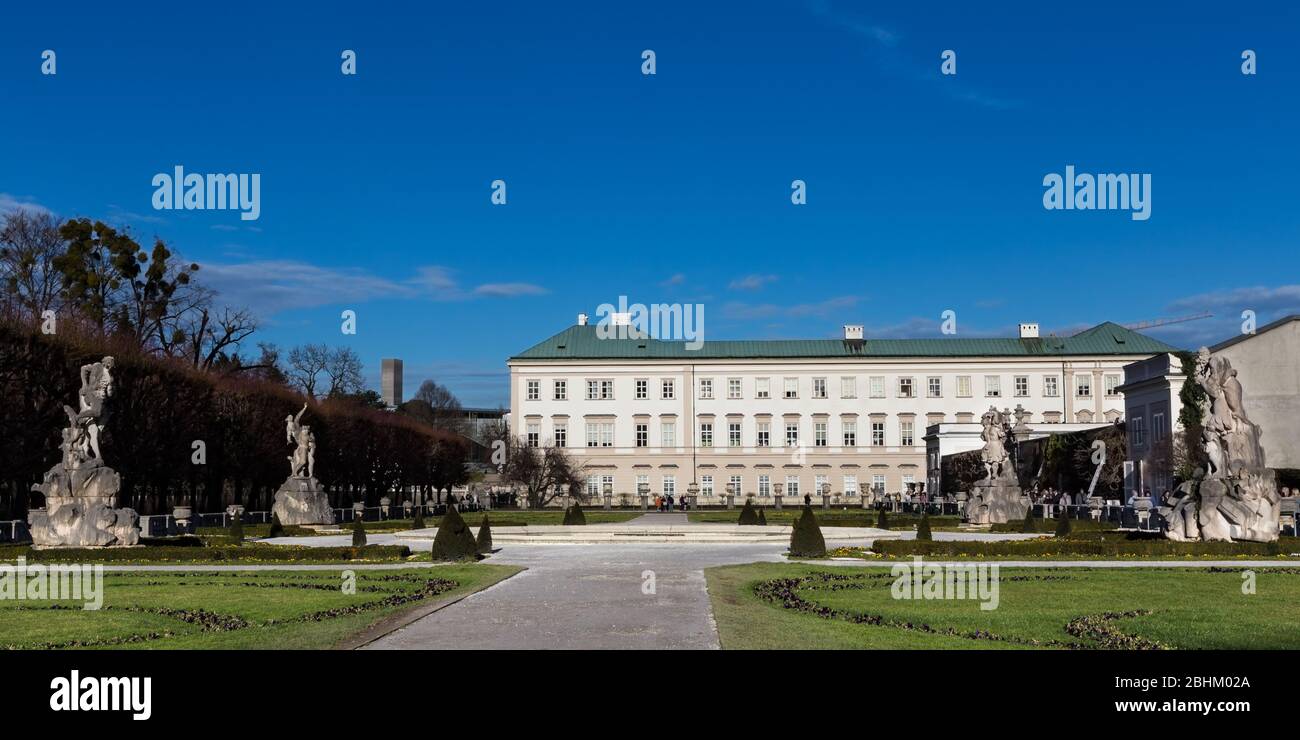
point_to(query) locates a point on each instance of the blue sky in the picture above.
(924, 191)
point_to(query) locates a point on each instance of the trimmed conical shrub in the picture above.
(762, 518)
(1063, 524)
(882, 521)
(1028, 526)
(277, 529)
(484, 537)
(574, 516)
(419, 518)
(923, 529)
(358, 532)
(236, 530)
(747, 514)
(806, 539)
(454, 540)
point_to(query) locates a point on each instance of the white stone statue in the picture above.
(996, 498)
(302, 464)
(1235, 496)
(301, 499)
(994, 455)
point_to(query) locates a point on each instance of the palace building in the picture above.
(798, 417)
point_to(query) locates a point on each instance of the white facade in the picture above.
(811, 422)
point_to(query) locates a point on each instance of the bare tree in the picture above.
(306, 363)
(544, 472)
(343, 368)
(29, 243)
(445, 406)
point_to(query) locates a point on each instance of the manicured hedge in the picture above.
(1051, 546)
(246, 553)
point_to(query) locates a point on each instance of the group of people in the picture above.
(669, 502)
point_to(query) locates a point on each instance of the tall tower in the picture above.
(390, 383)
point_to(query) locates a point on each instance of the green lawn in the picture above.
(1037, 607)
(235, 610)
(500, 518)
(851, 517)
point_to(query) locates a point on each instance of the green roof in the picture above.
(582, 343)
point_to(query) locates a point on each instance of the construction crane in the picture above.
(1165, 322)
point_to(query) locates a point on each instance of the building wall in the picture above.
(688, 460)
(390, 381)
(1268, 366)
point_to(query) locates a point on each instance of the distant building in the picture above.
(390, 382)
(1151, 408)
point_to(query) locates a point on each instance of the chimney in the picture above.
(1028, 331)
(853, 331)
(582, 319)
(390, 382)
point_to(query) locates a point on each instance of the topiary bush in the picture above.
(418, 522)
(236, 534)
(277, 529)
(806, 539)
(454, 540)
(747, 514)
(923, 529)
(1063, 524)
(882, 521)
(574, 516)
(484, 537)
(358, 532)
(762, 518)
(1028, 526)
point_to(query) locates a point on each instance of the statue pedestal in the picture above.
(79, 510)
(1244, 507)
(994, 502)
(301, 500)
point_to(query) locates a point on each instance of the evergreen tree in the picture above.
(762, 518)
(574, 516)
(882, 522)
(419, 518)
(806, 539)
(454, 540)
(1063, 524)
(747, 514)
(1028, 527)
(237, 530)
(485, 537)
(277, 529)
(923, 529)
(358, 532)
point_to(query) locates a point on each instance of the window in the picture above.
(878, 482)
(706, 485)
(963, 386)
(877, 434)
(1157, 427)
(792, 434)
(600, 434)
(600, 390)
(934, 387)
(1139, 434)
(668, 389)
(905, 388)
(1083, 386)
(792, 486)
(993, 386)
(1112, 382)
(561, 390)
(764, 485)
(642, 480)
(821, 484)
(670, 485)
(642, 435)
(764, 434)
(848, 387)
(819, 387)
(642, 389)
(733, 388)
(850, 434)
(908, 480)
(561, 435)
(1021, 386)
(819, 434)
(706, 434)
(791, 387)
(1051, 387)
(593, 485)
(905, 429)
(733, 434)
(668, 434)
(850, 485)
(762, 388)
(534, 390)
(534, 435)
(876, 386)
(706, 388)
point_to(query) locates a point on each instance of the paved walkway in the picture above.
(659, 519)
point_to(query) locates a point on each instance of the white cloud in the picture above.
(10, 203)
(509, 290)
(752, 282)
